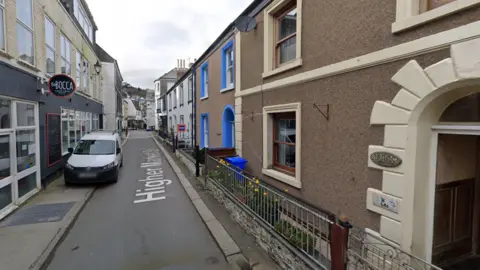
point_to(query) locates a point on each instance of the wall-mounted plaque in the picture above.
(385, 202)
(386, 159)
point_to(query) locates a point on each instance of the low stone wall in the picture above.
(188, 161)
(275, 248)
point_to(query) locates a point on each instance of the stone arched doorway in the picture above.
(406, 201)
(228, 127)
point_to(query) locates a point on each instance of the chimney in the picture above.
(184, 63)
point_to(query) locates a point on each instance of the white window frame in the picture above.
(175, 98)
(205, 131)
(83, 19)
(205, 82)
(3, 29)
(181, 94)
(190, 88)
(78, 68)
(229, 69)
(268, 122)
(408, 13)
(64, 41)
(32, 31)
(86, 74)
(269, 66)
(48, 47)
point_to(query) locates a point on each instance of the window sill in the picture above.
(288, 66)
(5, 54)
(285, 178)
(226, 89)
(27, 65)
(450, 8)
(202, 98)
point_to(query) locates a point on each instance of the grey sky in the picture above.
(147, 36)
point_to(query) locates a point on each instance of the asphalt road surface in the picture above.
(162, 230)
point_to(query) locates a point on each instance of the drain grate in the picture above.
(38, 214)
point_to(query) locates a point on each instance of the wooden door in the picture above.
(453, 218)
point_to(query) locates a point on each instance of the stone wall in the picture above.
(275, 248)
(187, 161)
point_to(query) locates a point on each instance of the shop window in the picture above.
(78, 121)
(25, 149)
(5, 114)
(25, 114)
(71, 128)
(5, 196)
(27, 184)
(5, 168)
(281, 145)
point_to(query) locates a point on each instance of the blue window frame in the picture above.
(228, 70)
(204, 130)
(204, 80)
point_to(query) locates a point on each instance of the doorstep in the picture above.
(29, 235)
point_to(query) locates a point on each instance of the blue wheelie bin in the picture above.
(239, 165)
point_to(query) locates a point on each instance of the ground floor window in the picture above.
(76, 124)
(204, 131)
(281, 149)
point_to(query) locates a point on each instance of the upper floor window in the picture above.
(204, 81)
(83, 19)
(190, 88)
(181, 94)
(282, 33)
(2, 25)
(25, 43)
(174, 98)
(432, 4)
(66, 54)
(86, 74)
(78, 67)
(285, 47)
(227, 66)
(50, 46)
(411, 13)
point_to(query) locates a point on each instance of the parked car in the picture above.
(97, 158)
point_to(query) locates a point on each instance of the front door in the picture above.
(453, 219)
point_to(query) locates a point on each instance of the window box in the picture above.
(411, 13)
(281, 145)
(282, 48)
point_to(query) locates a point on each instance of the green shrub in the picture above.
(296, 236)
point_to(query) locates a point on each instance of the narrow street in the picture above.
(118, 230)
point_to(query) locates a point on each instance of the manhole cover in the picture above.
(38, 214)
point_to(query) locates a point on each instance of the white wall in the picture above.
(184, 110)
(109, 96)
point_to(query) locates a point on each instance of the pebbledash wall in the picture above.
(384, 95)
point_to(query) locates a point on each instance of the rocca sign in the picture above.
(61, 85)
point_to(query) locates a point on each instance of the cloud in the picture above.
(147, 37)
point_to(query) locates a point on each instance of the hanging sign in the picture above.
(386, 159)
(62, 85)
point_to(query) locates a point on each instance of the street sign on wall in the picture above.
(61, 85)
(181, 128)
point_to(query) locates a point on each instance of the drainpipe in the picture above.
(194, 107)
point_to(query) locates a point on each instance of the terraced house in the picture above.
(366, 109)
(37, 40)
(215, 87)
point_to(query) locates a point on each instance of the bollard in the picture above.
(197, 161)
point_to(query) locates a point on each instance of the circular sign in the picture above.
(61, 85)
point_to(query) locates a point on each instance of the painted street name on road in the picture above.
(154, 182)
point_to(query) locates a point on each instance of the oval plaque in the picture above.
(386, 159)
(61, 85)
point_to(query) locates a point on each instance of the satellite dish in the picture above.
(245, 23)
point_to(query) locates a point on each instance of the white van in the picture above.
(97, 158)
